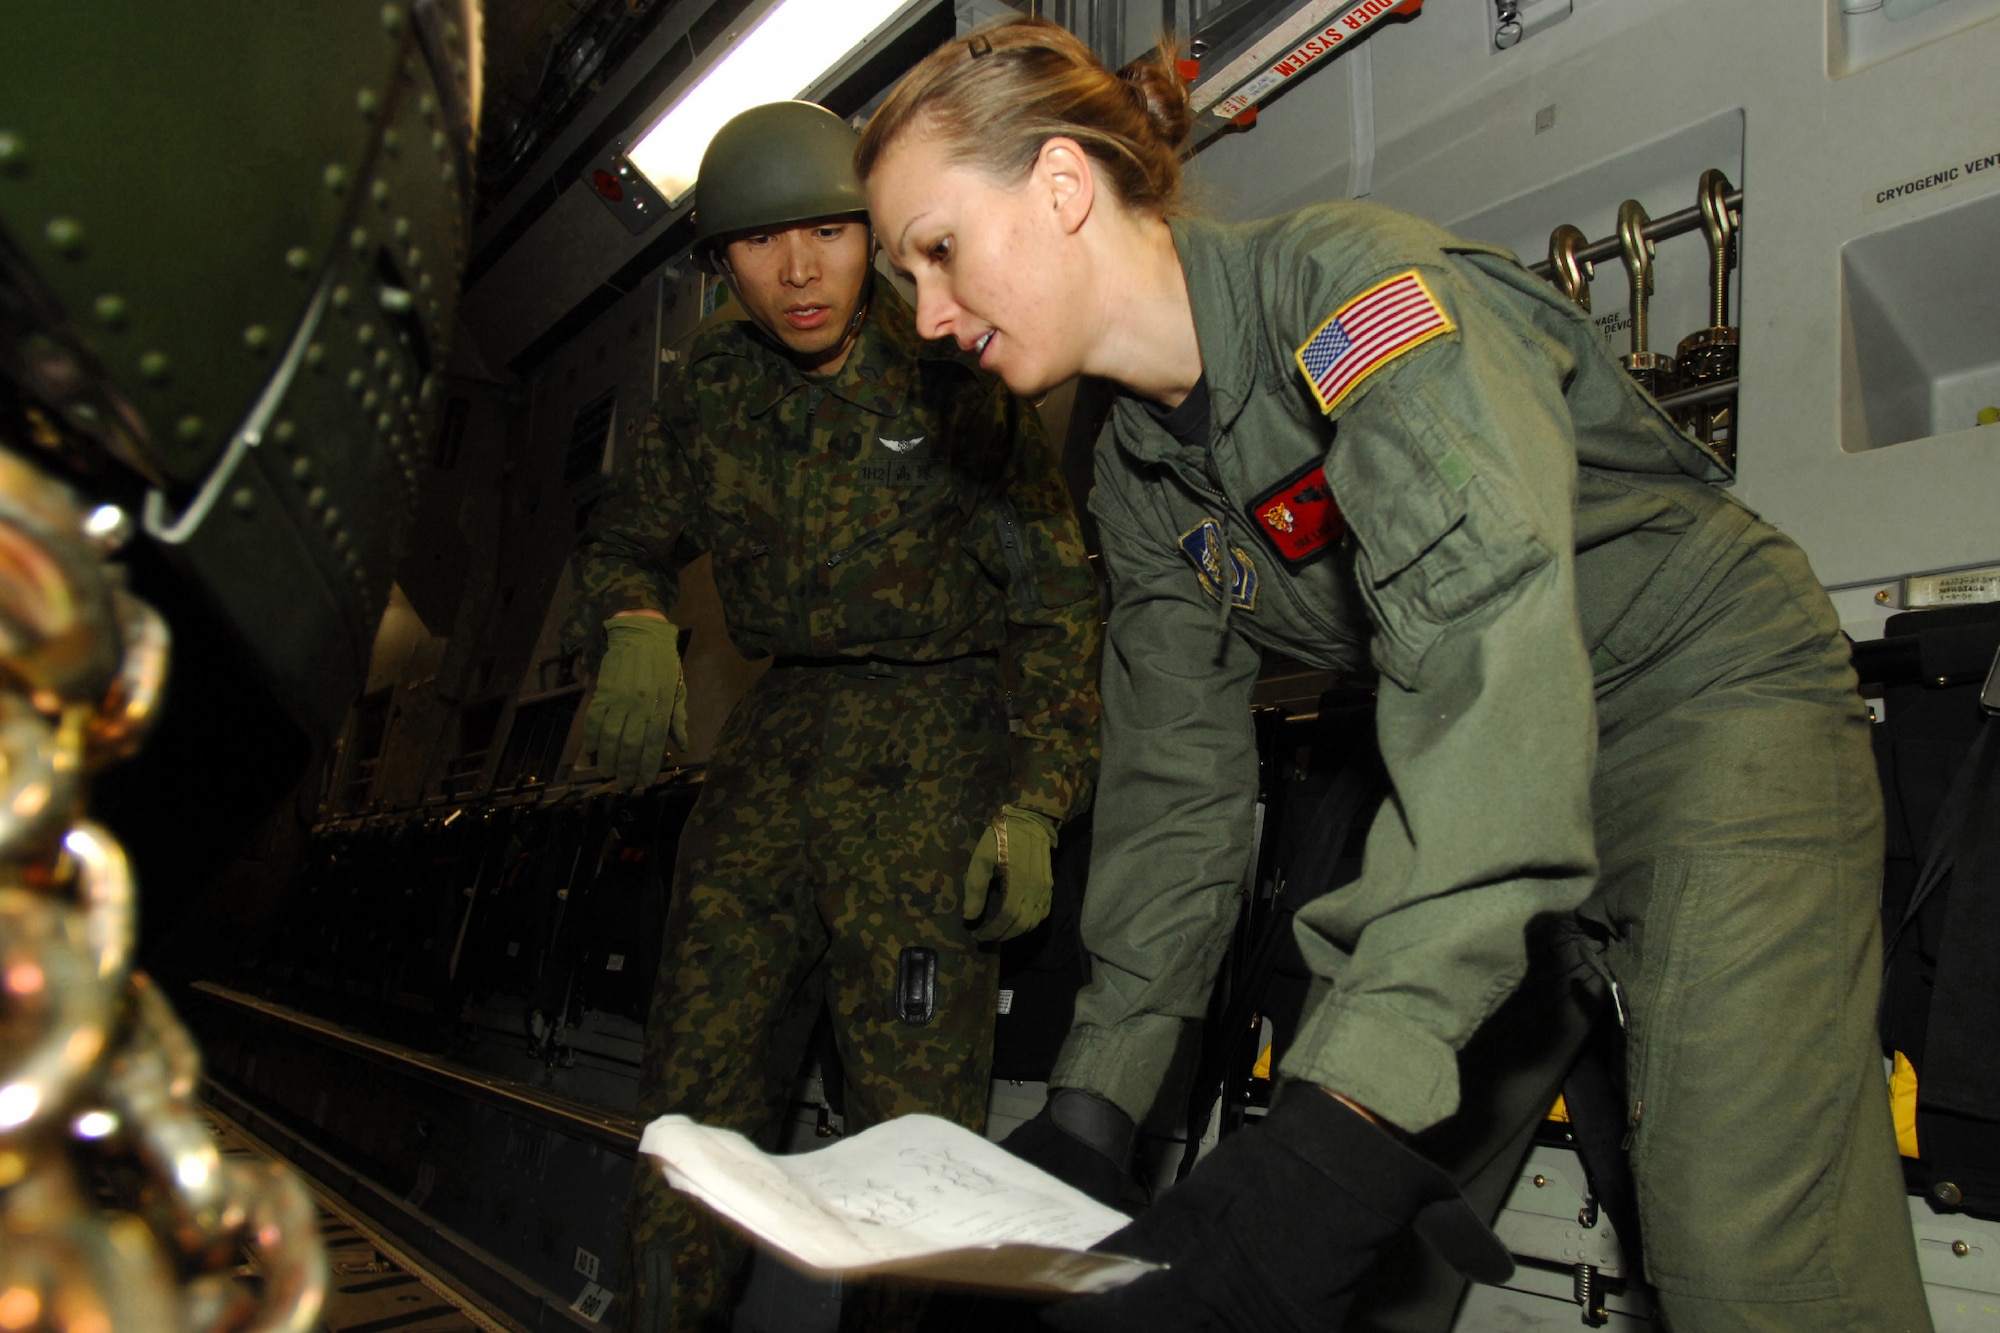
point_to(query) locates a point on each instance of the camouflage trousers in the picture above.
(832, 834)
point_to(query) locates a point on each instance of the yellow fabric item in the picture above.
(1559, 1112)
(1903, 1105)
(1262, 1069)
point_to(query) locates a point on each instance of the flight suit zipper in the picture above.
(1203, 483)
(1214, 477)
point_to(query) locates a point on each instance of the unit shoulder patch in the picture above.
(1368, 332)
(1216, 572)
(1299, 516)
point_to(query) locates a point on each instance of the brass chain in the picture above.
(97, 1076)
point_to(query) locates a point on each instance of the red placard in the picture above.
(1299, 516)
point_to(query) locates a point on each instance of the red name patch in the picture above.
(1299, 516)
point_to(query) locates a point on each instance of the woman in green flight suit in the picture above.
(1614, 706)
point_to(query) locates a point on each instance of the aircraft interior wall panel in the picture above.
(548, 641)
(405, 648)
(613, 354)
(463, 453)
(1859, 39)
(545, 662)
(1633, 84)
(539, 511)
(558, 262)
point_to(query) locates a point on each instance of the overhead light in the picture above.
(784, 55)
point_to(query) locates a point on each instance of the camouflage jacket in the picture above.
(907, 509)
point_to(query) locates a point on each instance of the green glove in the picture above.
(641, 700)
(1017, 846)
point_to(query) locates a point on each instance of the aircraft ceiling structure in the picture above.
(549, 256)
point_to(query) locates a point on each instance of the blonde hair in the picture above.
(996, 95)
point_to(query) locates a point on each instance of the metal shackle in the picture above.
(1573, 271)
(1719, 225)
(1638, 252)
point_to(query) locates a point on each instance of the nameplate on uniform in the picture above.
(1367, 333)
(1218, 566)
(899, 461)
(1299, 517)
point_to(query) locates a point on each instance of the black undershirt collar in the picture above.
(1188, 423)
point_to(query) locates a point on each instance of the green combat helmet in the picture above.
(775, 164)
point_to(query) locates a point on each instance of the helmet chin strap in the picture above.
(853, 329)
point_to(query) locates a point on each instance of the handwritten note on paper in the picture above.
(918, 1196)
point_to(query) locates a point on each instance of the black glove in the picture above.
(1082, 1140)
(1272, 1232)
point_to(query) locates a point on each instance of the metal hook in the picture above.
(1719, 223)
(1638, 250)
(1573, 272)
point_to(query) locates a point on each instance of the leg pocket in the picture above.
(911, 994)
(1744, 1069)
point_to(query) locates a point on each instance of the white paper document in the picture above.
(917, 1197)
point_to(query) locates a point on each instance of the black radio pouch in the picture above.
(916, 985)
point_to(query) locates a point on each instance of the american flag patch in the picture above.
(1373, 329)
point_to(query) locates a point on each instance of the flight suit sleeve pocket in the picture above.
(1389, 490)
(1438, 540)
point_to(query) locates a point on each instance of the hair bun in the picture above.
(993, 99)
(1165, 94)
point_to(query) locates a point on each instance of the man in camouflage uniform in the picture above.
(888, 524)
